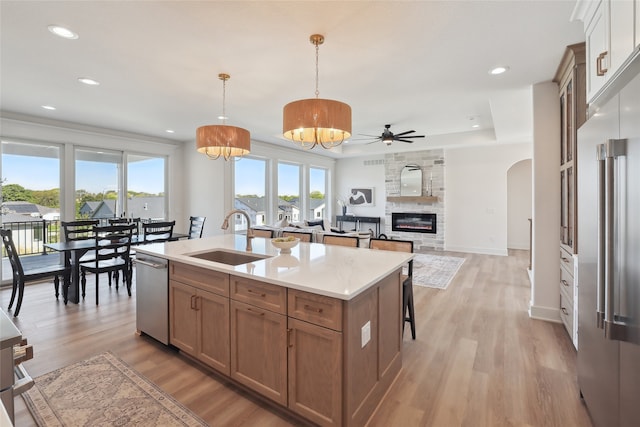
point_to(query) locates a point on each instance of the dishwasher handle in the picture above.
(24, 383)
(156, 265)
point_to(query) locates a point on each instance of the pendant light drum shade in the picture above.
(223, 141)
(317, 121)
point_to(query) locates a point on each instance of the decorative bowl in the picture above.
(285, 243)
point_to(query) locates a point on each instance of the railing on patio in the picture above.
(30, 237)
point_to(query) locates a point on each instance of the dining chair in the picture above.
(304, 237)
(21, 276)
(78, 230)
(407, 279)
(111, 255)
(260, 232)
(330, 239)
(159, 231)
(196, 226)
(134, 238)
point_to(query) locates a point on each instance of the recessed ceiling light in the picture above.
(223, 118)
(475, 126)
(499, 70)
(63, 32)
(48, 107)
(170, 131)
(88, 81)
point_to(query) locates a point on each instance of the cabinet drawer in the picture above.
(317, 309)
(202, 278)
(566, 313)
(566, 260)
(566, 282)
(260, 294)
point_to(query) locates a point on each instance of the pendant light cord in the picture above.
(317, 55)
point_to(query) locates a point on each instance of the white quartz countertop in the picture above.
(334, 271)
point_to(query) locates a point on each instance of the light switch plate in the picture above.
(366, 333)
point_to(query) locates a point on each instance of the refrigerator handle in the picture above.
(601, 155)
(613, 330)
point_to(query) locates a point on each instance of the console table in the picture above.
(359, 219)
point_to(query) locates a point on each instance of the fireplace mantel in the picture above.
(412, 199)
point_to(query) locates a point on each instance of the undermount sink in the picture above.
(228, 257)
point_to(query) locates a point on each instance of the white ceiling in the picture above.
(419, 65)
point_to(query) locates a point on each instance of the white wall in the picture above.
(362, 172)
(476, 196)
(545, 295)
(519, 204)
(204, 188)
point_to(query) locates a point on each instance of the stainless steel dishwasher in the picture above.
(152, 296)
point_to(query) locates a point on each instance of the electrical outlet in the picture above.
(366, 333)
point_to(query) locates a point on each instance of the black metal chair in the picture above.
(158, 231)
(408, 313)
(196, 226)
(20, 276)
(112, 255)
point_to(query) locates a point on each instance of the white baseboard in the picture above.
(484, 251)
(545, 313)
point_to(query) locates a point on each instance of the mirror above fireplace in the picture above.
(411, 181)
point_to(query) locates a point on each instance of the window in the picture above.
(31, 194)
(317, 193)
(250, 189)
(289, 191)
(98, 184)
(145, 187)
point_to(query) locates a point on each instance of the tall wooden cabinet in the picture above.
(571, 78)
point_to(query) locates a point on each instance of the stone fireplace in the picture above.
(421, 219)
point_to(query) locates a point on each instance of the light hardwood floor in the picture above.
(478, 359)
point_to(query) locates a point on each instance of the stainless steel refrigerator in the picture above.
(609, 260)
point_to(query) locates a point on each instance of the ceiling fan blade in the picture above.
(403, 140)
(404, 133)
(372, 142)
(370, 136)
(413, 136)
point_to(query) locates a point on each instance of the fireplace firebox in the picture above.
(413, 222)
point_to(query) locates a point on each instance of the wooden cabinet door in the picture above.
(315, 372)
(259, 350)
(213, 330)
(182, 317)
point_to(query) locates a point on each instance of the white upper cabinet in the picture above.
(637, 23)
(621, 23)
(610, 28)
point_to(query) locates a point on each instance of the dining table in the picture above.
(74, 250)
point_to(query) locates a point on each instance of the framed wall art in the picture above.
(361, 197)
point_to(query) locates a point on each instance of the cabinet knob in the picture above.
(564, 282)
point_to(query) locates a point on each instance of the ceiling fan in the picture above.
(388, 137)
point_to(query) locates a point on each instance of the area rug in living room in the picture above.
(435, 271)
(103, 391)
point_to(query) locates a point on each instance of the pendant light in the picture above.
(217, 141)
(316, 121)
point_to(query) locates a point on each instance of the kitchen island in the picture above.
(317, 331)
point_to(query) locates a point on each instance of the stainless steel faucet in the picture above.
(225, 225)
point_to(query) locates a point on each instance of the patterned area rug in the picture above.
(435, 271)
(103, 391)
